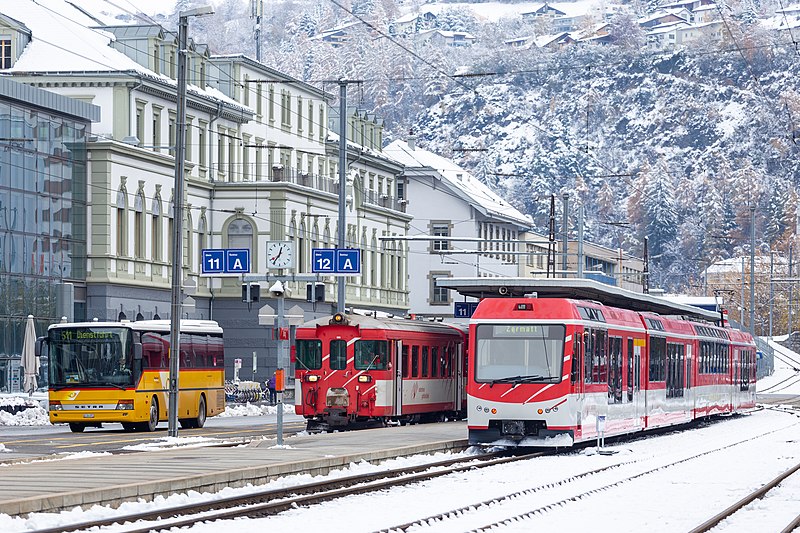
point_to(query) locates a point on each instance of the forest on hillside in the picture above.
(680, 146)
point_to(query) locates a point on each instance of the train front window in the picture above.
(519, 353)
(309, 355)
(371, 355)
(338, 360)
(90, 357)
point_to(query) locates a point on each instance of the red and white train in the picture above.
(557, 371)
(354, 369)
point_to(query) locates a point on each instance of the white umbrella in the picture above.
(29, 360)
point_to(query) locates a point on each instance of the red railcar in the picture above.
(353, 369)
(555, 371)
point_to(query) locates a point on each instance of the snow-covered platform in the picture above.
(112, 479)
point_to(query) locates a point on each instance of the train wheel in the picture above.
(76, 427)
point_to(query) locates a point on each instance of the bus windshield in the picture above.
(91, 356)
(519, 353)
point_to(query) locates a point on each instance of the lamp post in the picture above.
(177, 217)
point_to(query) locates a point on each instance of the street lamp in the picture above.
(177, 216)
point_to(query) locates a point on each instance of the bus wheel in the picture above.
(76, 427)
(151, 424)
(200, 421)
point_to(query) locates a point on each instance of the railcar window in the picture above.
(575, 370)
(630, 370)
(615, 370)
(676, 362)
(371, 355)
(435, 361)
(406, 368)
(415, 361)
(658, 358)
(338, 358)
(513, 353)
(425, 363)
(309, 354)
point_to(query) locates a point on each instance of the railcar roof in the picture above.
(397, 324)
(577, 289)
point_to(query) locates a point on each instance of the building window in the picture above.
(138, 226)
(240, 234)
(201, 143)
(271, 104)
(172, 133)
(156, 129)
(439, 295)
(140, 120)
(440, 229)
(122, 223)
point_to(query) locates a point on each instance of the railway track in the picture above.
(270, 502)
(731, 511)
(528, 514)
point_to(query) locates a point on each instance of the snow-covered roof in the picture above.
(667, 28)
(459, 179)
(666, 13)
(66, 40)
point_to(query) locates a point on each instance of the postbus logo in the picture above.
(72, 395)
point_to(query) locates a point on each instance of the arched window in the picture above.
(202, 237)
(156, 237)
(138, 225)
(122, 222)
(240, 235)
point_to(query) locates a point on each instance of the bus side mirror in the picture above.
(137, 351)
(39, 346)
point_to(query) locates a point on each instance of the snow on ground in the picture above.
(249, 409)
(786, 377)
(167, 443)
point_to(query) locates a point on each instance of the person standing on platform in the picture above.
(273, 395)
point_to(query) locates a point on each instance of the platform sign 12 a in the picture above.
(336, 261)
(225, 261)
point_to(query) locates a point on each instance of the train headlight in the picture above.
(311, 378)
(540, 411)
(364, 378)
(338, 319)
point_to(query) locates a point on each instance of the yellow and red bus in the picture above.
(119, 372)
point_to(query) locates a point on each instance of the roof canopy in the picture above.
(580, 289)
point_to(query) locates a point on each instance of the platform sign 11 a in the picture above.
(225, 261)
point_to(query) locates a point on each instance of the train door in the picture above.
(689, 400)
(639, 399)
(401, 362)
(459, 367)
(576, 379)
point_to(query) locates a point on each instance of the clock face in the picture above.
(280, 254)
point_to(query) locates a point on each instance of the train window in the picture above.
(590, 313)
(308, 354)
(658, 358)
(515, 352)
(405, 361)
(615, 370)
(338, 359)
(588, 350)
(415, 361)
(425, 364)
(371, 355)
(434, 361)
(574, 374)
(630, 370)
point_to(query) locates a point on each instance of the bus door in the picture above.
(401, 361)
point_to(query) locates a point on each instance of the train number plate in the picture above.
(88, 415)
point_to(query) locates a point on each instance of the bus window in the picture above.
(154, 354)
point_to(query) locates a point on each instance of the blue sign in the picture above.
(335, 261)
(225, 261)
(323, 260)
(348, 261)
(464, 309)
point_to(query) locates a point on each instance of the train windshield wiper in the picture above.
(516, 380)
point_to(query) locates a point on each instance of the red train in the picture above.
(351, 370)
(555, 371)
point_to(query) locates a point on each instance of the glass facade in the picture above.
(42, 223)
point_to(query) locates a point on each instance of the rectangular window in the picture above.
(338, 360)
(434, 361)
(259, 99)
(406, 368)
(172, 132)
(201, 144)
(309, 355)
(156, 129)
(415, 361)
(425, 362)
(524, 353)
(658, 358)
(5, 53)
(155, 238)
(310, 119)
(371, 355)
(439, 295)
(188, 151)
(440, 229)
